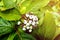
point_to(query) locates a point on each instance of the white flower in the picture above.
(30, 21)
(30, 27)
(27, 27)
(30, 30)
(31, 16)
(35, 18)
(24, 28)
(33, 23)
(27, 15)
(25, 22)
(18, 23)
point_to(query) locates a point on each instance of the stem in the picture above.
(19, 35)
(18, 32)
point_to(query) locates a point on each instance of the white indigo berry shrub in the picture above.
(30, 22)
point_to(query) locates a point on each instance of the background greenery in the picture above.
(48, 12)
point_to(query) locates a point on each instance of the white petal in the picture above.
(33, 23)
(28, 27)
(25, 22)
(30, 21)
(31, 16)
(18, 23)
(30, 30)
(35, 18)
(27, 15)
(24, 28)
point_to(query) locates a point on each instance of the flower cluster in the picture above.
(30, 21)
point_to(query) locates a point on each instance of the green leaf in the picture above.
(48, 28)
(11, 36)
(18, 1)
(20, 36)
(11, 15)
(5, 26)
(1, 6)
(32, 5)
(57, 32)
(9, 3)
(27, 36)
(4, 37)
(24, 36)
(1, 3)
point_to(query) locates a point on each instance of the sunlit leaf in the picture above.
(32, 5)
(57, 32)
(9, 3)
(10, 15)
(48, 28)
